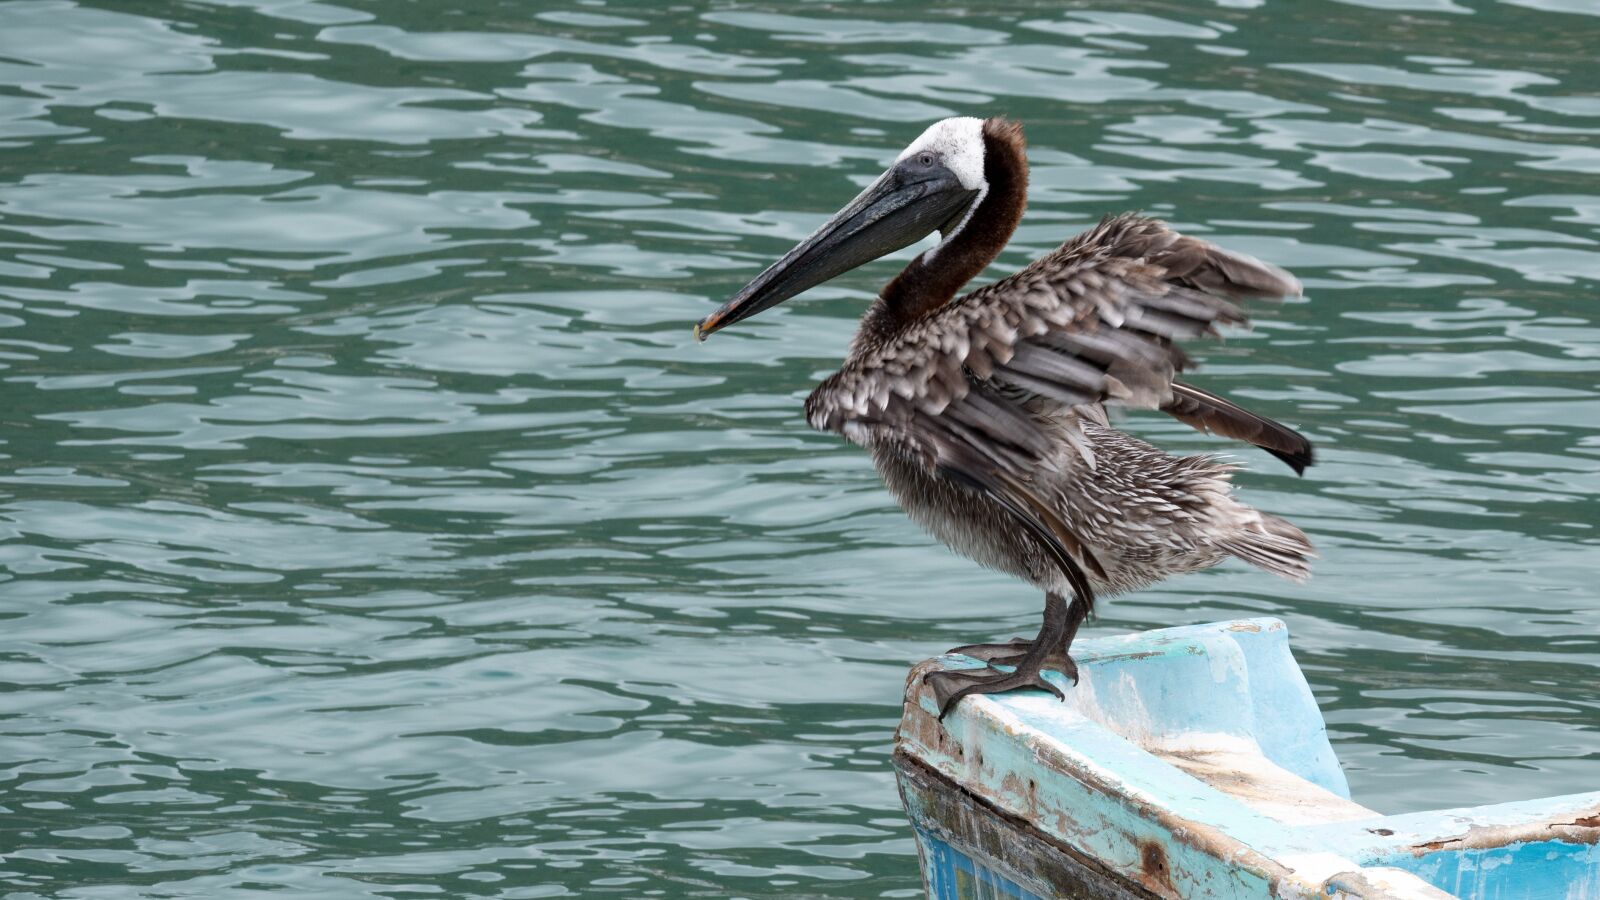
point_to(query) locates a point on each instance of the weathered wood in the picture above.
(999, 842)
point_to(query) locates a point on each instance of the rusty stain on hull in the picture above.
(1153, 867)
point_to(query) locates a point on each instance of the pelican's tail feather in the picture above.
(1273, 544)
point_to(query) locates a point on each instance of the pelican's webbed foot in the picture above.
(950, 687)
(1030, 659)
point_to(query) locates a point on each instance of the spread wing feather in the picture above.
(1095, 321)
(1205, 411)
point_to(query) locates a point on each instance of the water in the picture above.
(371, 525)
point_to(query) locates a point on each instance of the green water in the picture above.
(371, 526)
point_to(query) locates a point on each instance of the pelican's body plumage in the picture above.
(1144, 514)
(985, 414)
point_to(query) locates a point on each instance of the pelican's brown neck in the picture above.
(933, 278)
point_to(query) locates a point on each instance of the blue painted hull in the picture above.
(1194, 763)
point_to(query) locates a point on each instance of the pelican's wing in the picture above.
(1095, 321)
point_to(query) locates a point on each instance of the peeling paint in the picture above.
(1274, 791)
(1581, 830)
(1380, 882)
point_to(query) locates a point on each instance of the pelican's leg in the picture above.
(1061, 621)
(1013, 651)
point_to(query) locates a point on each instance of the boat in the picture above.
(1194, 763)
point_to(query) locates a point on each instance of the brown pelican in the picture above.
(985, 414)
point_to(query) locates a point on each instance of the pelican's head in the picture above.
(934, 184)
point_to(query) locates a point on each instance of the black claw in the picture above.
(983, 651)
(1010, 653)
(942, 688)
(1069, 669)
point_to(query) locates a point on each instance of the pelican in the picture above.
(985, 414)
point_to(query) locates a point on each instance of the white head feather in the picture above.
(959, 142)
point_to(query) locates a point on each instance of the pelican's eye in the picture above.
(926, 160)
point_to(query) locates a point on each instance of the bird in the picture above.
(985, 413)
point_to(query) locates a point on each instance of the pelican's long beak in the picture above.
(903, 206)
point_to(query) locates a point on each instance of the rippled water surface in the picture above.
(371, 526)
